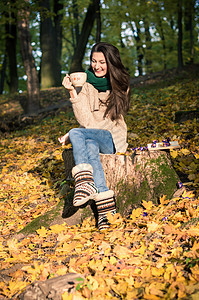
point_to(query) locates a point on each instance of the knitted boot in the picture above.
(85, 188)
(105, 203)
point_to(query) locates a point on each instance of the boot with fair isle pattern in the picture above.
(105, 202)
(85, 188)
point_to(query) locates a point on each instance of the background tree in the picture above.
(9, 38)
(50, 42)
(75, 30)
(148, 43)
(180, 34)
(98, 22)
(135, 21)
(3, 74)
(11, 41)
(33, 102)
(136, 29)
(170, 27)
(151, 36)
(188, 30)
(115, 29)
(87, 26)
(160, 29)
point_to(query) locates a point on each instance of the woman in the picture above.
(99, 109)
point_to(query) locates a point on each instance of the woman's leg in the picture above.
(94, 160)
(78, 137)
(87, 144)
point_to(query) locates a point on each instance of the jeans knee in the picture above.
(73, 132)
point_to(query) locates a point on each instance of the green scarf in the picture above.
(101, 84)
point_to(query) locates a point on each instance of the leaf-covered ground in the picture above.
(153, 254)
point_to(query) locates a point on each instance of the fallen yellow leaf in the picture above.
(185, 151)
(173, 153)
(147, 204)
(42, 232)
(121, 251)
(152, 226)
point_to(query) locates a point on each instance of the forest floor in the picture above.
(153, 253)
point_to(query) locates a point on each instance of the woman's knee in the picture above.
(73, 132)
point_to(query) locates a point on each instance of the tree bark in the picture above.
(148, 61)
(33, 103)
(180, 56)
(139, 49)
(99, 23)
(11, 40)
(76, 28)
(3, 74)
(51, 44)
(142, 176)
(58, 16)
(161, 33)
(188, 29)
(78, 56)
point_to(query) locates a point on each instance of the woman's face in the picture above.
(98, 64)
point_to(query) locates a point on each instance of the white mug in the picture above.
(78, 78)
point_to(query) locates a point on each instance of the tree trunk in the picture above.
(99, 23)
(139, 49)
(76, 28)
(3, 73)
(11, 40)
(161, 33)
(143, 176)
(58, 16)
(78, 56)
(171, 45)
(51, 41)
(33, 103)
(188, 29)
(148, 61)
(180, 56)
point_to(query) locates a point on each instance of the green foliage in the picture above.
(121, 21)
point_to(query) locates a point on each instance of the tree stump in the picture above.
(139, 176)
(135, 177)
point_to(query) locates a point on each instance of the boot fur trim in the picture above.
(81, 167)
(104, 195)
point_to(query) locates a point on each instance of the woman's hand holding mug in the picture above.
(73, 80)
(67, 83)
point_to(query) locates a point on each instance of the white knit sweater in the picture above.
(89, 112)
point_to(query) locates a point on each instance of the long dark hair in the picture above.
(118, 102)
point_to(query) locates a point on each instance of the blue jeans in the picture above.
(87, 145)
